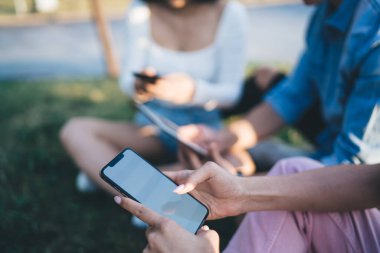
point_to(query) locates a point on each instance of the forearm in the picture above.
(335, 189)
(261, 122)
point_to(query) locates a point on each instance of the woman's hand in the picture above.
(205, 136)
(177, 88)
(141, 92)
(236, 161)
(214, 186)
(166, 236)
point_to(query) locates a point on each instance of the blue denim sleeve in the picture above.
(359, 140)
(295, 95)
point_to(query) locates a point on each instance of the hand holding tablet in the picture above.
(169, 127)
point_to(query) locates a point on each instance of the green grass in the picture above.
(40, 209)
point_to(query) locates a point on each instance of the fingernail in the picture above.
(205, 227)
(179, 188)
(117, 199)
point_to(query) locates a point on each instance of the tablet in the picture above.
(169, 127)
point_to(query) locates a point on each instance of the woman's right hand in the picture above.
(214, 186)
(205, 136)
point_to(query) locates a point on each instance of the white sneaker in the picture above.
(85, 184)
(136, 222)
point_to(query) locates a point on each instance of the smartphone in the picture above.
(169, 127)
(135, 178)
(146, 78)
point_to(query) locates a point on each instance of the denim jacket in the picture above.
(340, 70)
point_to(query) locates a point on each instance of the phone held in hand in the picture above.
(146, 78)
(135, 178)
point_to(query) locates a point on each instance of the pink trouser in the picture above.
(281, 231)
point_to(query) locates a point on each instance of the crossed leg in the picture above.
(92, 143)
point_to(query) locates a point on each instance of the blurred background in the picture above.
(59, 59)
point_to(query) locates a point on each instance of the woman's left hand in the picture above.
(177, 88)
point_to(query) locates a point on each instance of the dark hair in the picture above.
(165, 2)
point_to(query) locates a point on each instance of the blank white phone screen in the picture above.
(147, 185)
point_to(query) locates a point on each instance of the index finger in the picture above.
(206, 172)
(193, 159)
(189, 158)
(217, 157)
(143, 213)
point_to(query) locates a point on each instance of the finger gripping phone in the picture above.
(135, 178)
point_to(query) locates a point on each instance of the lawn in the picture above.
(40, 209)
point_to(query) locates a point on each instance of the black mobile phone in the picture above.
(146, 78)
(135, 178)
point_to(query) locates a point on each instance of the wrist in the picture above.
(259, 193)
(244, 195)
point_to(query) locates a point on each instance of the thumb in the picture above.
(205, 232)
(203, 229)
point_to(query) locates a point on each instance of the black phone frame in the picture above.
(149, 79)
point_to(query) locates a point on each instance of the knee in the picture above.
(294, 165)
(71, 128)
